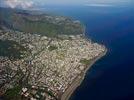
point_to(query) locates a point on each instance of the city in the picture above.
(52, 64)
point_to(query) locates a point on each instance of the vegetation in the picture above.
(85, 61)
(12, 49)
(12, 94)
(52, 47)
(42, 24)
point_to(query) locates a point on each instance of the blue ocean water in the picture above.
(112, 77)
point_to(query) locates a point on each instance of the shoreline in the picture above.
(77, 82)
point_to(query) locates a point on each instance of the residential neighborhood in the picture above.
(50, 67)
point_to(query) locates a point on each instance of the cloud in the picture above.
(99, 5)
(19, 3)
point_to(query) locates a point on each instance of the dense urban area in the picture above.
(46, 67)
(42, 55)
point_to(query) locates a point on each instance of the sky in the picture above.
(84, 1)
(34, 3)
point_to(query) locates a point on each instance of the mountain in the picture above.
(39, 23)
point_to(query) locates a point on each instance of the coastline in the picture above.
(77, 82)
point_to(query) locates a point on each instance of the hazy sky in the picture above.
(31, 3)
(83, 1)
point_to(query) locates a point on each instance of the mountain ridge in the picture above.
(38, 22)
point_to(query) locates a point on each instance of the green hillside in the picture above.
(42, 24)
(12, 49)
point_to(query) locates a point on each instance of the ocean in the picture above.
(111, 77)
